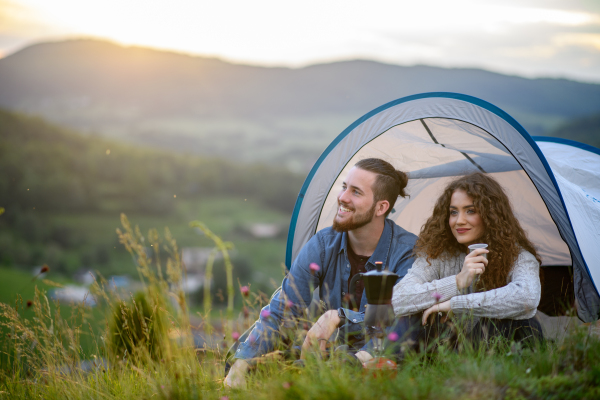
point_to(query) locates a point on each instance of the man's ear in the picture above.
(382, 207)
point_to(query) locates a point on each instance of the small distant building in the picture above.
(264, 231)
(195, 258)
(84, 277)
(73, 294)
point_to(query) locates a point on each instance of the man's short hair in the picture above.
(390, 182)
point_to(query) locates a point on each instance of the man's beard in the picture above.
(357, 220)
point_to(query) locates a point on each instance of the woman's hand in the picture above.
(321, 331)
(474, 264)
(439, 307)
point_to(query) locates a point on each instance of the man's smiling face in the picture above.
(356, 204)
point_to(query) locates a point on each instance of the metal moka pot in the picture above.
(379, 287)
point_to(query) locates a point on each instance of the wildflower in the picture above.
(29, 303)
(289, 304)
(45, 268)
(246, 312)
(286, 385)
(235, 336)
(245, 291)
(265, 314)
(436, 296)
(252, 339)
(393, 336)
(314, 267)
(162, 386)
(224, 398)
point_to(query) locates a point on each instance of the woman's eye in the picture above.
(471, 211)
(453, 212)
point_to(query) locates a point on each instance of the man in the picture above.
(361, 235)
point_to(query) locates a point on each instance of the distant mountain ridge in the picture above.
(207, 105)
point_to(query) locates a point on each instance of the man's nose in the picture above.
(343, 196)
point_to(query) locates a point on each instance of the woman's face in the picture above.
(465, 222)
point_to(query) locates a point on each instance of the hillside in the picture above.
(276, 115)
(63, 193)
(585, 130)
(54, 169)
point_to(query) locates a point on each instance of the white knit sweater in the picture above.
(517, 300)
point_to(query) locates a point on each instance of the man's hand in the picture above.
(321, 331)
(474, 264)
(440, 307)
(236, 378)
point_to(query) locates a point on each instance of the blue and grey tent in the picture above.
(554, 185)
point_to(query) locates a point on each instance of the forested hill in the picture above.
(48, 168)
(583, 129)
(281, 116)
(151, 81)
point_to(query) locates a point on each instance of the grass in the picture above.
(47, 361)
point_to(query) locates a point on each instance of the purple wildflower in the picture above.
(393, 336)
(245, 291)
(436, 296)
(314, 267)
(289, 304)
(265, 314)
(235, 335)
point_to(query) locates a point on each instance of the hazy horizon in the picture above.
(529, 38)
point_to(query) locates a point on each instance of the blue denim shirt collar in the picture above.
(382, 250)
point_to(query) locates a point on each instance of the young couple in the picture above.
(472, 209)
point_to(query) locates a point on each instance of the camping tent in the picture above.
(554, 186)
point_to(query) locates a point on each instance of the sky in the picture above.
(533, 38)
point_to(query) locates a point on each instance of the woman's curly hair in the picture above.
(502, 231)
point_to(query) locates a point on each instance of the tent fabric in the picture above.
(576, 168)
(435, 137)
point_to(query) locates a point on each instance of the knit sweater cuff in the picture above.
(463, 303)
(447, 288)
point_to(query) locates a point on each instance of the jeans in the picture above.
(410, 335)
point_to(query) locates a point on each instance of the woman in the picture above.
(501, 292)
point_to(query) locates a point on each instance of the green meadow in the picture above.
(115, 350)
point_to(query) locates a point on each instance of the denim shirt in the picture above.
(329, 250)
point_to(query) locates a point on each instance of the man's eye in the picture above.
(356, 192)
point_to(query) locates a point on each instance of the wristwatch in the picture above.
(342, 316)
